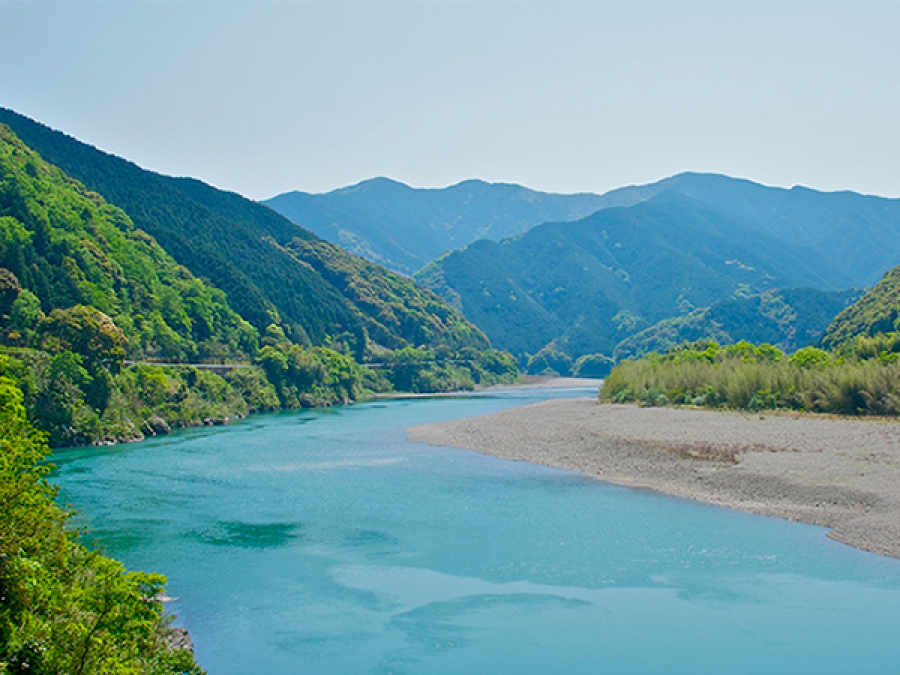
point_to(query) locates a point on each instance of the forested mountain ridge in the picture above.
(587, 285)
(878, 311)
(65, 247)
(243, 248)
(788, 319)
(403, 228)
(859, 235)
(83, 291)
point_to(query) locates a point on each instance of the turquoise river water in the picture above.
(322, 542)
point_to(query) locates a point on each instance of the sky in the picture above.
(265, 96)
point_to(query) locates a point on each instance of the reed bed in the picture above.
(747, 377)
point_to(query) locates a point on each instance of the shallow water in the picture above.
(323, 542)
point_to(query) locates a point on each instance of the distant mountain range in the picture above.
(858, 234)
(403, 228)
(581, 273)
(588, 285)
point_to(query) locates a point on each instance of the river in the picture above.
(322, 542)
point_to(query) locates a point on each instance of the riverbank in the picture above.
(524, 382)
(839, 473)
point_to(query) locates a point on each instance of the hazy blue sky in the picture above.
(263, 97)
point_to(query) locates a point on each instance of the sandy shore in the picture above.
(839, 473)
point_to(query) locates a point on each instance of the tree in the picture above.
(64, 609)
(9, 290)
(88, 332)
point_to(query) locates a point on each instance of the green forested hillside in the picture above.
(858, 235)
(403, 228)
(586, 286)
(83, 292)
(240, 246)
(878, 311)
(788, 319)
(393, 310)
(64, 246)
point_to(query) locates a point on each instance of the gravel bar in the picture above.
(840, 473)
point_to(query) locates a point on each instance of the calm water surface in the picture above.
(323, 542)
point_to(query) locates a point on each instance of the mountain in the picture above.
(858, 234)
(878, 311)
(62, 246)
(403, 228)
(250, 252)
(589, 284)
(788, 319)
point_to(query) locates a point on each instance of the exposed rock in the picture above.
(179, 638)
(155, 426)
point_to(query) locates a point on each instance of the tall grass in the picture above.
(745, 377)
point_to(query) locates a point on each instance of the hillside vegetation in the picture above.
(403, 228)
(83, 292)
(878, 311)
(64, 246)
(63, 608)
(788, 319)
(243, 248)
(583, 287)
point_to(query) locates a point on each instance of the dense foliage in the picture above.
(443, 369)
(864, 380)
(789, 319)
(878, 311)
(394, 312)
(403, 228)
(84, 293)
(64, 609)
(63, 248)
(586, 286)
(240, 247)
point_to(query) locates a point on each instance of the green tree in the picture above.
(64, 609)
(89, 332)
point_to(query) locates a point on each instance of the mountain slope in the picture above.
(403, 228)
(243, 248)
(878, 311)
(788, 319)
(589, 284)
(859, 235)
(66, 246)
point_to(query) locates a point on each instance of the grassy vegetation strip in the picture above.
(862, 380)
